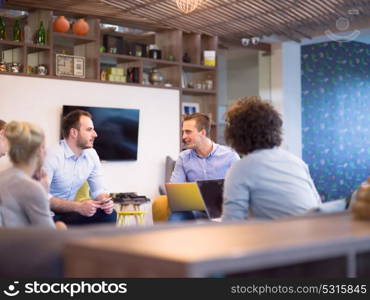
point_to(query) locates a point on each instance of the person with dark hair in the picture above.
(3, 141)
(268, 182)
(69, 166)
(203, 159)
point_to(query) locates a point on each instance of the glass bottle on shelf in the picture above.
(208, 83)
(2, 29)
(41, 34)
(27, 34)
(17, 31)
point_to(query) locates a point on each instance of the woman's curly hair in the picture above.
(252, 124)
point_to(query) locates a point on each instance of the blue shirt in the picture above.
(191, 167)
(268, 184)
(67, 172)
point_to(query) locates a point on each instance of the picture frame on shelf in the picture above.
(209, 58)
(70, 65)
(79, 66)
(189, 108)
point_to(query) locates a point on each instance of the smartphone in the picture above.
(105, 200)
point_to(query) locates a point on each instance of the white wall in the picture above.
(41, 100)
(264, 75)
(276, 77)
(292, 96)
(242, 74)
(286, 92)
(222, 98)
(238, 76)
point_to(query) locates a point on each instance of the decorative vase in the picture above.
(155, 77)
(61, 24)
(80, 27)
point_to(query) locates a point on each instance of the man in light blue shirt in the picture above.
(69, 165)
(191, 166)
(202, 159)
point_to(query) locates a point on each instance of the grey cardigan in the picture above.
(23, 201)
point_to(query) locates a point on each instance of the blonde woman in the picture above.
(23, 200)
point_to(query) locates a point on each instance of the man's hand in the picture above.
(105, 203)
(87, 208)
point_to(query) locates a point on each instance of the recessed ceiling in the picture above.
(231, 20)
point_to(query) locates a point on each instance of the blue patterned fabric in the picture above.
(336, 115)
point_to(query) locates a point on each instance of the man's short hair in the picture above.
(202, 121)
(72, 120)
(2, 124)
(252, 124)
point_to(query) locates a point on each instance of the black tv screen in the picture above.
(117, 130)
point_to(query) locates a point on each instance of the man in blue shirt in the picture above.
(202, 159)
(69, 165)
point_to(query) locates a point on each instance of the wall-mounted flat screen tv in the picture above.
(117, 129)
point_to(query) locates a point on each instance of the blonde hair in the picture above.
(2, 124)
(24, 139)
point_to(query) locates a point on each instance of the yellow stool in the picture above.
(138, 214)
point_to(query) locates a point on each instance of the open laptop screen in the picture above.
(212, 191)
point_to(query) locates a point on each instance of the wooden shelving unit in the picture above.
(188, 67)
(10, 44)
(78, 39)
(188, 78)
(188, 91)
(130, 58)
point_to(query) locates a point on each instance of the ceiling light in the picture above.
(187, 6)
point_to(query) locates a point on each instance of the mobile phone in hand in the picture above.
(105, 200)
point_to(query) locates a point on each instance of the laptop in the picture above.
(204, 195)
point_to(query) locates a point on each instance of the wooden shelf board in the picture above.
(88, 80)
(131, 58)
(6, 45)
(74, 37)
(36, 46)
(161, 62)
(148, 38)
(33, 48)
(121, 57)
(12, 73)
(196, 68)
(188, 91)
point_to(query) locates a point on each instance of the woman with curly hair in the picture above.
(268, 182)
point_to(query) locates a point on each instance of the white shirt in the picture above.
(270, 183)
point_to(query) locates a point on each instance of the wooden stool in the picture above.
(124, 212)
(138, 214)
